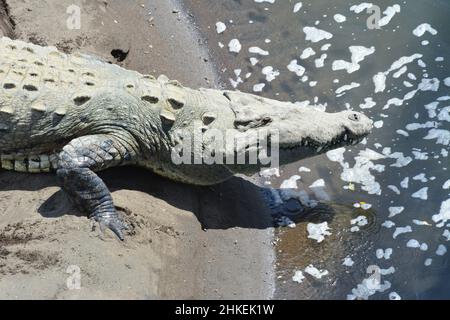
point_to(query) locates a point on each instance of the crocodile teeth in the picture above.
(34, 164)
(44, 163)
(7, 109)
(319, 148)
(345, 138)
(60, 111)
(20, 165)
(39, 107)
(7, 161)
(167, 116)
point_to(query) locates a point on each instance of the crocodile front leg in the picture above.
(77, 164)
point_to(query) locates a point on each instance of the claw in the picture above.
(113, 222)
(117, 227)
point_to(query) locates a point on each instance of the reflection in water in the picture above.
(399, 76)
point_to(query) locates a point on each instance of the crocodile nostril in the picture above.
(354, 117)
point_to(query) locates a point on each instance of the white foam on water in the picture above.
(388, 224)
(220, 27)
(402, 132)
(348, 262)
(339, 18)
(421, 177)
(394, 189)
(234, 46)
(297, 7)
(400, 72)
(316, 273)
(384, 254)
(444, 213)
(269, 172)
(407, 84)
(327, 46)
(319, 62)
(290, 183)
(420, 155)
(394, 296)
(393, 211)
(258, 50)
(421, 223)
(442, 136)
(318, 231)
(413, 243)
(441, 250)
(359, 53)
(254, 61)
(379, 79)
(401, 160)
(293, 66)
(405, 183)
(389, 13)
(378, 124)
(447, 81)
(361, 7)
(446, 185)
(259, 87)
(422, 28)
(359, 221)
(421, 194)
(342, 90)
(318, 183)
(270, 73)
(446, 234)
(368, 103)
(298, 276)
(401, 230)
(360, 172)
(314, 34)
(307, 52)
(368, 287)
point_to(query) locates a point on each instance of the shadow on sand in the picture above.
(233, 203)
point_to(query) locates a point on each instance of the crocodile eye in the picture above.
(354, 117)
(266, 120)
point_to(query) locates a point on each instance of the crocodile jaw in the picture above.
(322, 133)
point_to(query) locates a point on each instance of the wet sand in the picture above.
(185, 242)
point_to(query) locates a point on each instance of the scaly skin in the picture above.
(77, 115)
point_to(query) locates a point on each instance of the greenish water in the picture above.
(403, 123)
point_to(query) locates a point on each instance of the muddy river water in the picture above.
(379, 209)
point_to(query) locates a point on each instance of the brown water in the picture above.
(252, 23)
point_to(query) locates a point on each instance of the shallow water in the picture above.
(377, 181)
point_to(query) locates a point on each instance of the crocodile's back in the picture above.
(46, 96)
(40, 88)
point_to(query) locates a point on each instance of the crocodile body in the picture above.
(76, 115)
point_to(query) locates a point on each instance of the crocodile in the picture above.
(75, 115)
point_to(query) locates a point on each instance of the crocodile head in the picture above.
(294, 132)
(239, 127)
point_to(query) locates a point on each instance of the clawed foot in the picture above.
(113, 222)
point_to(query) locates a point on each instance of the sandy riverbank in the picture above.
(186, 242)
